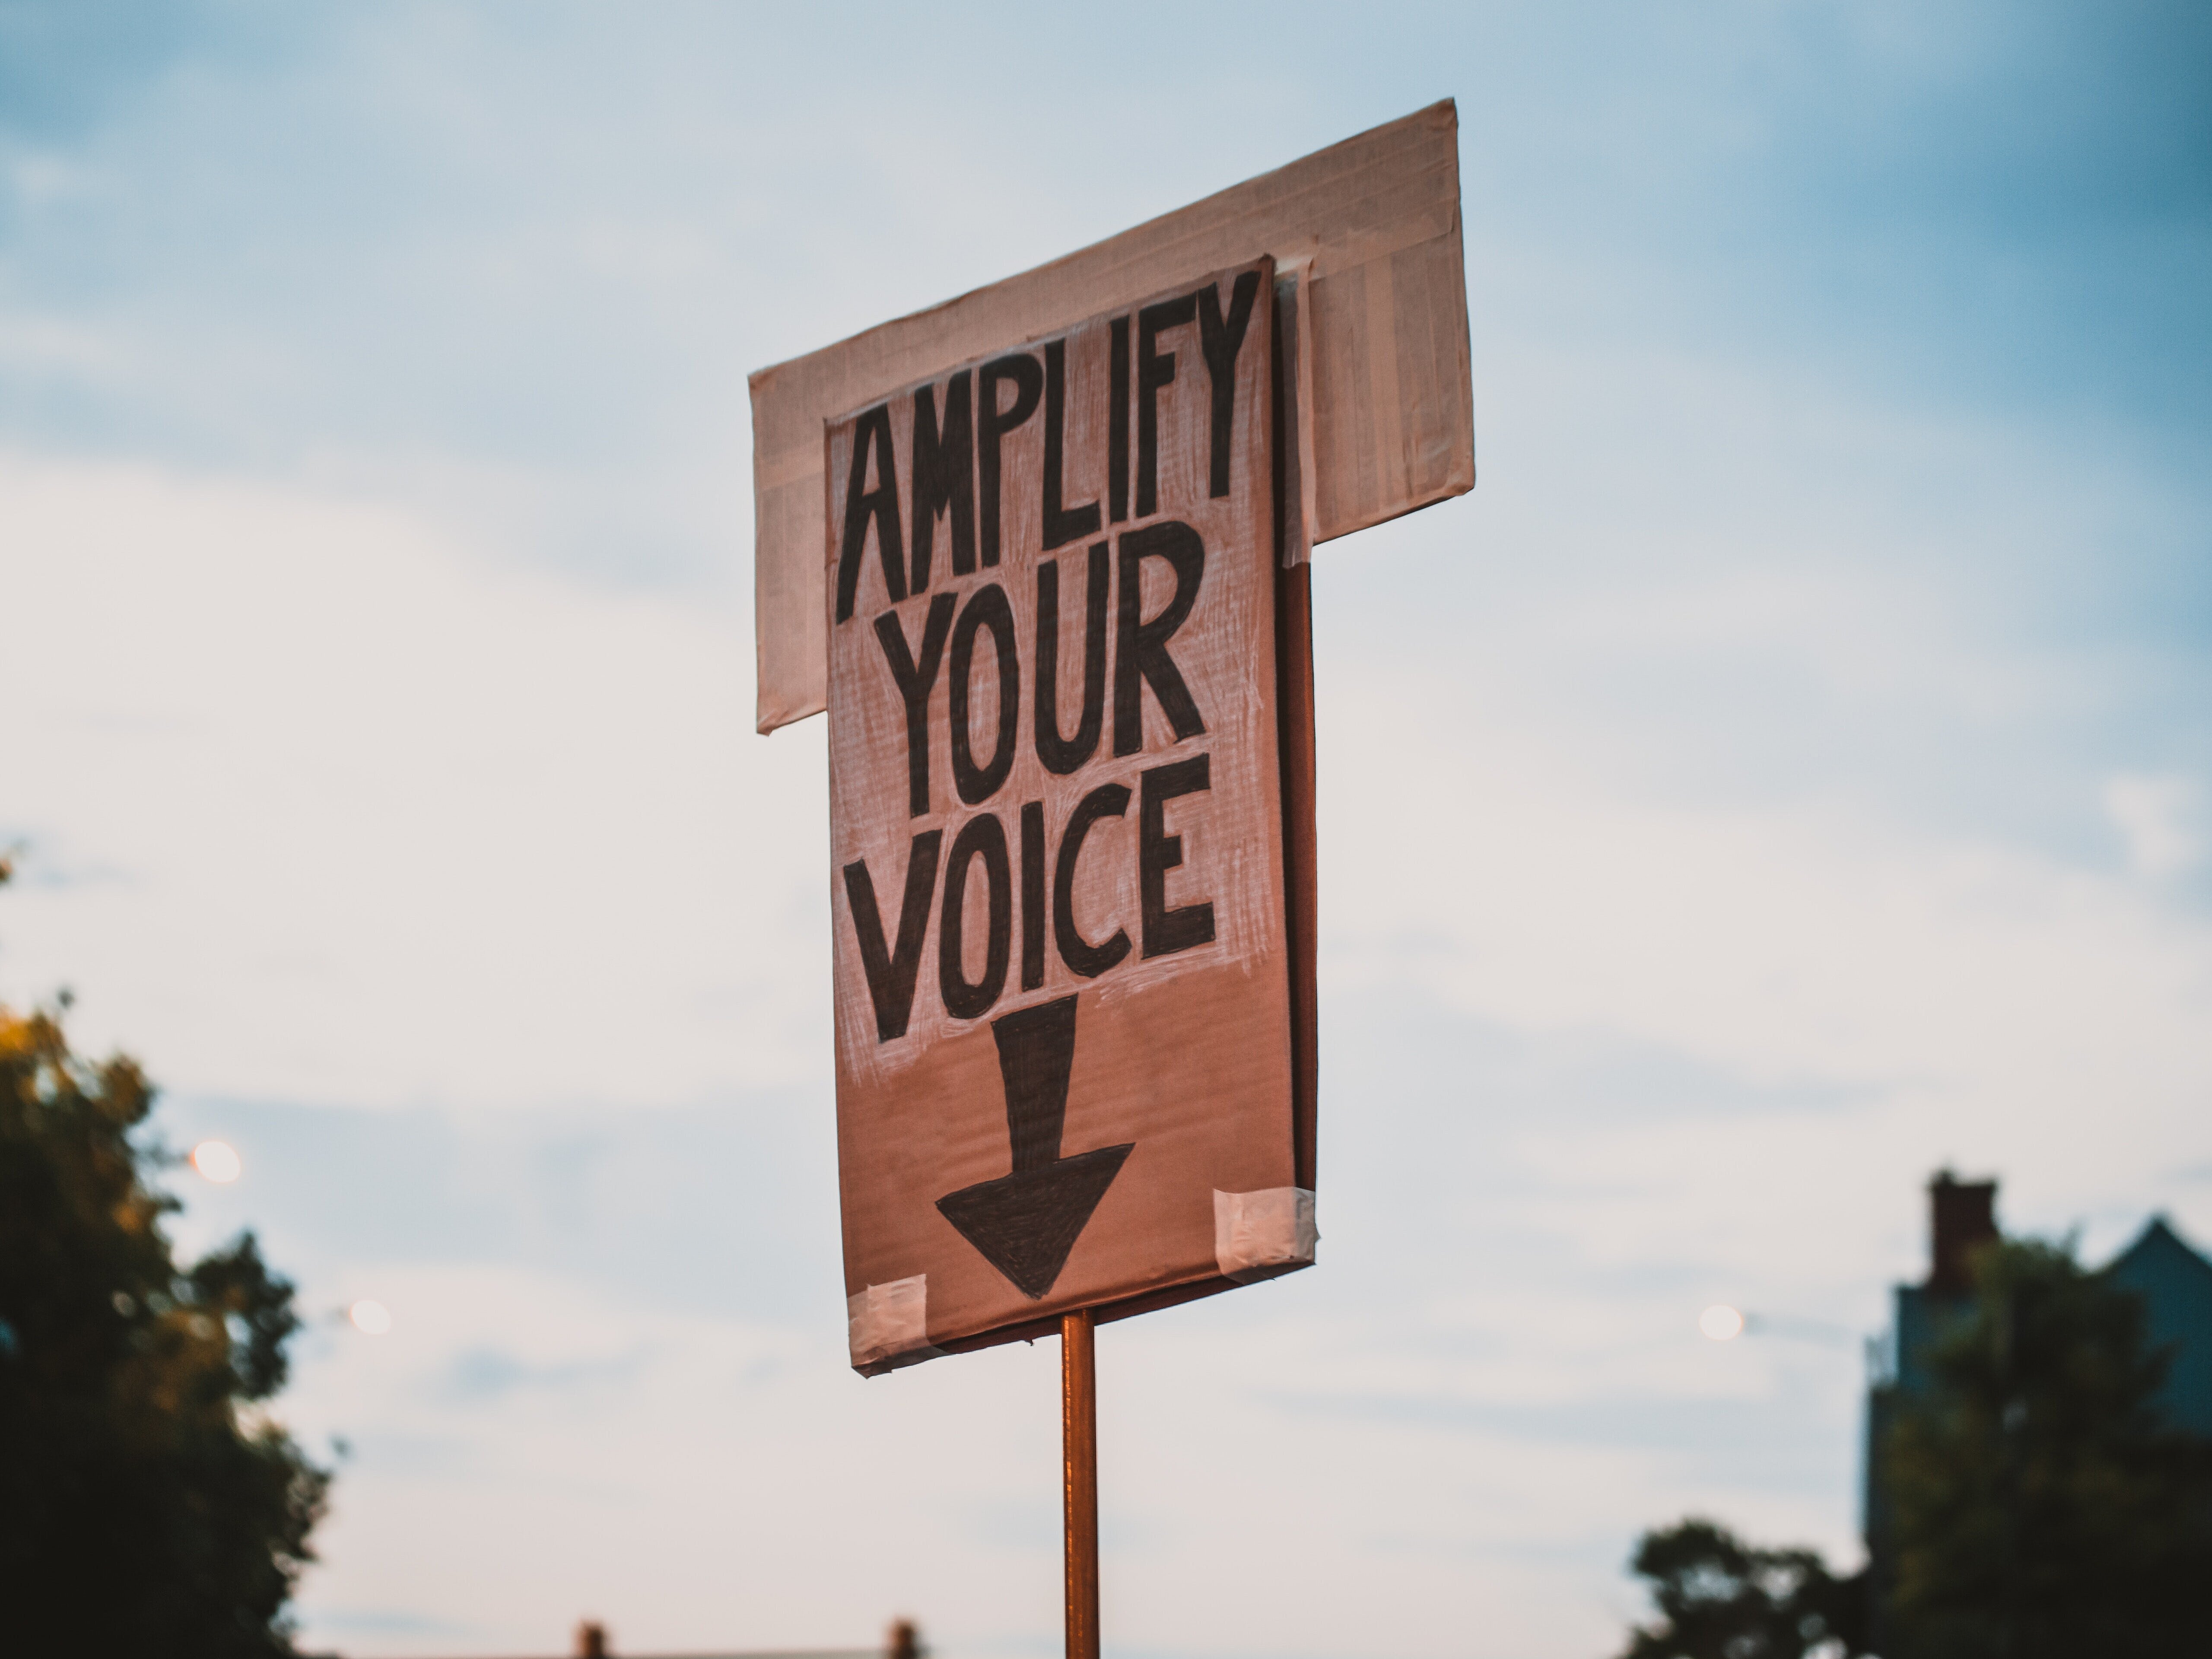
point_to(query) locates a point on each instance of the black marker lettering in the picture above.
(980, 837)
(1222, 341)
(864, 506)
(1141, 647)
(986, 608)
(944, 476)
(1107, 800)
(914, 682)
(1062, 524)
(890, 973)
(1061, 755)
(1155, 369)
(1032, 895)
(1167, 931)
(1028, 381)
(1117, 422)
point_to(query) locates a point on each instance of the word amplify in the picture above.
(957, 451)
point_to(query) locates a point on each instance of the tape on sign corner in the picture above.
(1261, 1235)
(888, 1325)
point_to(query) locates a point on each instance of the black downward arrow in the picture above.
(1026, 1223)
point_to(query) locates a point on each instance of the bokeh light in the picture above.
(217, 1160)
(1721, 1322)
(373, 1317)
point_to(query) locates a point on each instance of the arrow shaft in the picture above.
(1036, 1051)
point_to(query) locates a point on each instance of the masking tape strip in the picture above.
(888, 1325)
(1258, 1235)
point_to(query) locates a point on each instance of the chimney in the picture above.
(591, 1640)
(1963, 1218)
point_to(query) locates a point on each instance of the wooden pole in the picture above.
(1078, 1452)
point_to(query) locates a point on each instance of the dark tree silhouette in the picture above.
(146, 1507)
(2038, 1505)
(1721, 1598)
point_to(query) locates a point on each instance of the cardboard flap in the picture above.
(1376, 220)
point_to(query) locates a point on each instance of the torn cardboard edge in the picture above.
(1257, 1236)
(1032, 1330)
(1297, 519)
(1386, 405)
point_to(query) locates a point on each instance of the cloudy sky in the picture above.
(1789, 772)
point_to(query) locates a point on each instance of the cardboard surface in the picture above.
(1065, 958)
(1391, 424)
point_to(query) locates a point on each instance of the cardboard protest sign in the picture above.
(1070, 876)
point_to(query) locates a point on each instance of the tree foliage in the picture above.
(146, 1504)
(2039, 1506)
(1721, 1598)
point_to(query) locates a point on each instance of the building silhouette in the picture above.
(2173, 1279)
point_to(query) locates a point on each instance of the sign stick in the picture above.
(1078, 1454)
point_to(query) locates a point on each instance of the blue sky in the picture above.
(1808, 715)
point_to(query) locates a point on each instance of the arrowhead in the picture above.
(1025, 1223)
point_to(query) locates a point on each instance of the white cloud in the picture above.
(2160, 818)
(341, 812)
(338, 813)
(1783, 942)
(559, 1452)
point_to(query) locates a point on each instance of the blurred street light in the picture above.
(1724, 1324)
(1721, 1322)
(217, 1160)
